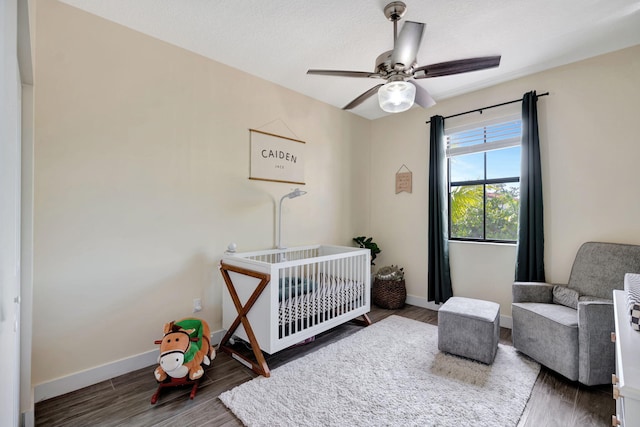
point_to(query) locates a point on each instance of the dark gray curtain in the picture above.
(439, 276)
(530, 255)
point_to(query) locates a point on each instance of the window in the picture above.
(484, 181)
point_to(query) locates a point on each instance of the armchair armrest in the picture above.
(532, 292)
(596, 351)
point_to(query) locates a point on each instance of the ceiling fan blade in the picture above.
(456, 67)
(423, 98)
(360, 99)
(407, 45)
(340, 73)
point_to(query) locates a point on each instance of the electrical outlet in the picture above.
(197, 305)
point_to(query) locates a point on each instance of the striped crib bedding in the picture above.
(314, 303)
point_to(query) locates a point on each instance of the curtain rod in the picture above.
(490, 106)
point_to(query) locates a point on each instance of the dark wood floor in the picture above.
(125, 400)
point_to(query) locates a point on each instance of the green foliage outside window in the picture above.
(467, 209)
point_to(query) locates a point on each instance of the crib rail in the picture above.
(281, 255)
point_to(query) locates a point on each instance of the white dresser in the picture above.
(626, 380)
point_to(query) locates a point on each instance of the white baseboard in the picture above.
(28, 419)
(78, 380)
(91, 376)
(422, 302)
(505, 321)
(217, 336)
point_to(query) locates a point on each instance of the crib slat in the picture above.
(354, 284)
(296, 306)
(314, 300)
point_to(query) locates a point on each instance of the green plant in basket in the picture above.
(368, 243)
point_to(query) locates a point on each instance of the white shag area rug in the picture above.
(389, 374)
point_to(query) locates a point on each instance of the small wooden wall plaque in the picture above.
(403, 180)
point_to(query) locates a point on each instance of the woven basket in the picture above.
(389, 294)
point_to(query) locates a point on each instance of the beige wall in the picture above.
(141, 166)
(589, 149)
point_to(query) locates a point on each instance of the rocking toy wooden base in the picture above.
(177, 382)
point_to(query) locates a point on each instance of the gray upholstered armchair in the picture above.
(568, 328)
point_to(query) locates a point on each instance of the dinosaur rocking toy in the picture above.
(185, 350)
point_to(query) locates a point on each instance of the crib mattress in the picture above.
(321, 301)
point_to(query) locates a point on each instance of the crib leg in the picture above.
(365, 321)
(260, 367)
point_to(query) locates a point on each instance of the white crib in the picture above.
(305, 291)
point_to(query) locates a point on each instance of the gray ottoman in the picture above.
(470, 328)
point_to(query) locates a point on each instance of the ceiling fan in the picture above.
(399, 66)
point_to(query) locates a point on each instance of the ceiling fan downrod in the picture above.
(394, 11)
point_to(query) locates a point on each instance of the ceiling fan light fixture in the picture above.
(396, 96)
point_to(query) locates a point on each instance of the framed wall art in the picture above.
(276, 158)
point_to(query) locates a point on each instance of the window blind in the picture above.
(494, 135)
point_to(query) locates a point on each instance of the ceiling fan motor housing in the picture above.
(386, 69)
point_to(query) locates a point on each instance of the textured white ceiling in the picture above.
(278, 40)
